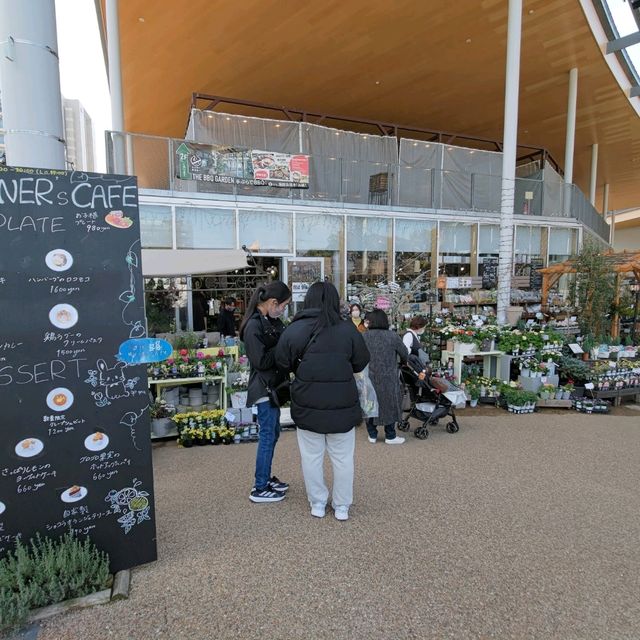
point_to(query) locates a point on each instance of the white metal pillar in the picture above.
(605, 200)
(510, 137)
(115, 84)
(594, 174)
(570, 141)
(30, 84)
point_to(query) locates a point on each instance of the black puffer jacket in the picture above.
(261, 335)
(324, 397)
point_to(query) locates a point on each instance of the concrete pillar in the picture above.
(570, 140)
(30, 84)
(115, 84)
(594, 174)
(510, 136)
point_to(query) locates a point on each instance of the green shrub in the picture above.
(47, 571)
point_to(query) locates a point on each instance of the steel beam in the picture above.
(623, 43)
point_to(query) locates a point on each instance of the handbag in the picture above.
(281, 393)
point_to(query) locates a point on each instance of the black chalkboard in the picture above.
(75, 426)
(490, 273)
(535, 277)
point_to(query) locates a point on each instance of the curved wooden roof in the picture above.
(429, 64)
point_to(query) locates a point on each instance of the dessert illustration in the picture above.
(59, 399)
(74, 491)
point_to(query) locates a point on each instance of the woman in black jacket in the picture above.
(260, 331)
(324, 352)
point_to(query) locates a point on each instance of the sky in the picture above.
(83, 74)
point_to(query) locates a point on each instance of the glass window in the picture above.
(562, 244)
(320, 236)
(488, 244)
(266, 231)
(204, 228)
(368, 241)
(413, 244)
(155, 227)
(455, 248)
(528, 247)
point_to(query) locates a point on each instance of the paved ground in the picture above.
(516, 527)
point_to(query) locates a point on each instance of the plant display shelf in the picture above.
(554, 404)
(617, 394)
(487, 358)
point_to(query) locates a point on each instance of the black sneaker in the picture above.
(278, 485)
(266, 495)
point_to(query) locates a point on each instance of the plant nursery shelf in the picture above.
(554, 404)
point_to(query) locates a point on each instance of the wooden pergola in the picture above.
(620, 263)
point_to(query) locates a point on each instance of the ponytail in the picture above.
(264, 292)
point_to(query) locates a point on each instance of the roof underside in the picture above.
(429, 64)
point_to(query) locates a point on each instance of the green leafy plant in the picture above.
(592, 291)
(46, 571)
(573, 369)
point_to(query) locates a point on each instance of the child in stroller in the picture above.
(428, 400)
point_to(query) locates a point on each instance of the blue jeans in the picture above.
(269, 422)
(389, 430)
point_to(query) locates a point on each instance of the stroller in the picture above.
(428, 402)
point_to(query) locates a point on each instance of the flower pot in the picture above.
(161, 427)
(544, 395)
(450, 345)
(201, 441)
(239, 399)
(566, 395)
(187, 443)
(474, 402)
(526, 373)
(559, 394)
(487, 345)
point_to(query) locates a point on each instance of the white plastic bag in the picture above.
(366, 393)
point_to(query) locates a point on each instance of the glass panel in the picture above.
(155, 227)
(488, 244)
(320, 236)
(368, 249)
(161, 297)
(413, 242)
(561, 244)
(203, 228)
(527, 248)
(455, 248)
(266, 231)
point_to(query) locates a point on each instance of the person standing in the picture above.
(411, 339)
(355, 311)
(386, 349)
(260, 331)
(324, 352)
(226, 318)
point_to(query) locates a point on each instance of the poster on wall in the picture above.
(219, 165)
(535, 277)
(490, 273)
(75, 449)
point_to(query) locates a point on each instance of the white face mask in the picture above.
(278, 310)
(420, 332)
(355, 313)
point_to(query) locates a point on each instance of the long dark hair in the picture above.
(324, 296)
(264, 292)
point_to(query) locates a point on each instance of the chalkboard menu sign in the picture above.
(490, 273)
(535, 277)
(75, 451)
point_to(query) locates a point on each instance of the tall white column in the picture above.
(30, 84)
(115, 83)
(594, 174)
(570, 140)
(605, 200)
(510, 137)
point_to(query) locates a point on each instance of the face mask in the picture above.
(355, 313)
(420, 332)
(276, 312)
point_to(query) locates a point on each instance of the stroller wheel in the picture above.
(452, 427)
(421, 433)
(404, 425)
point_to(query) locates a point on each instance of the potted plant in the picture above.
(546, 390)
(239, 390)
(474, 394)
(161, 424)
(559, 393)
(568, 389)
(588, 344)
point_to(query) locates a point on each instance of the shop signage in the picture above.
(218, 164)
(75, 441)
(299, 291)
(535, 277)
(490, 273)
(459, 283)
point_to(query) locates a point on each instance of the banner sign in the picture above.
(490, 273)
(75, 448)
(535, 277)
(232, 165)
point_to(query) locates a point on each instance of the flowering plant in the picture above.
(160, 409)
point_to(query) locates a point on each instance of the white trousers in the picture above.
(340, 447)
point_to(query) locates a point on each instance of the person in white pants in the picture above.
(340, 447)
(324, 352)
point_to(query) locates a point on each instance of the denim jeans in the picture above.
(389, 430)
(269, 422)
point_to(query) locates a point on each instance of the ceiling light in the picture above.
(277, 126)
(209, 115)
(337, 133)
(228, 118)
(140, 19)
(245, 121)
(377, 81)
(468, 40)
(531, 11)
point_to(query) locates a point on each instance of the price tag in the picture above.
(589, 385)
(575, 348)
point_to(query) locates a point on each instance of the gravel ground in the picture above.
(516, 527)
